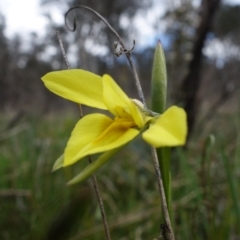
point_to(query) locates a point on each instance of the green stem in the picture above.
(164, 163)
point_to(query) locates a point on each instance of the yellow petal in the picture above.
(169, 130)
(76, 85)
(86, 130)
(97, 133)
(118, 102)
(137, 115)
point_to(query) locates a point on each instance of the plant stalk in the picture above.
(170, 234)
(94, 179)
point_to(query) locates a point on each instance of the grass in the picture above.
(36, 204)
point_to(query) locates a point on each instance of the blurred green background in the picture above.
(202, 48)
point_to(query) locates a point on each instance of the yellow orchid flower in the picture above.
(96, 133)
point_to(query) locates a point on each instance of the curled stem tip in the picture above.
(95, 13)
(124, 50)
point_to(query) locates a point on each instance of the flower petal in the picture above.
(76, 85)
(170, 129)
(118, 103)
(115, 99)
(97, 133)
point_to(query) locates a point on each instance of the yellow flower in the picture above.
(96, 133)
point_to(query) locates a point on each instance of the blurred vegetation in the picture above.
(35, 125)
(36, 204)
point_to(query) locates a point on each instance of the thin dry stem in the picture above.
(94, 179)
(63, 50)
(100, 202)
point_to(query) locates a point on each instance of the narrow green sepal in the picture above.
(159, 80)
(90, 169)
(58, 163)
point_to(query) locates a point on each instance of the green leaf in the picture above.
(90, 169)
(232, 183)
(58, 163)
(158, 96)
(159, 80)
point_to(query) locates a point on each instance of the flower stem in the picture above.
(170, 233)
